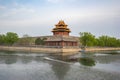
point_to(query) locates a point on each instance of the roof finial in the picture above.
(61, 22)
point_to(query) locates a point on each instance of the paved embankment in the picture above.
(102, 48)
(39, 49)
(53, 50)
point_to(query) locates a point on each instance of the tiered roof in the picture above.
(62, 38)
(61, 27)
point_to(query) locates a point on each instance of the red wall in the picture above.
(61, 33)
(61, 43)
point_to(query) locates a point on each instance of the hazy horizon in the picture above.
(38, 17)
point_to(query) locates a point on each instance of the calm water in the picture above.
(41, 66)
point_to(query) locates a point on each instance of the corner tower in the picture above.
(61, 29)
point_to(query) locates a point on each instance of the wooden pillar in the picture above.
(62, 43)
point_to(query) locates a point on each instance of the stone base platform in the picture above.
(37, 49)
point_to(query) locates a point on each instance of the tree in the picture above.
(107, 41)
(11, 38)
(40, 41)
(25, 40)
(102, 40)
(118, 42)
(87, 39)
(2, 39)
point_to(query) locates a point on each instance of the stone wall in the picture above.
(31, 49)
(101, 48)
(39, 49)
(53, 50)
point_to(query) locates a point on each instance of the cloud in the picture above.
(17, 11)
(36, 17)
(54, 1)
(29, 17)
(2, 7)
(58, 1)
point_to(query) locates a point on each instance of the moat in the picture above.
(41, 66)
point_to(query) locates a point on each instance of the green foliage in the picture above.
(2, 39)
(87, 39)
(25, 40)
(8, 39)
(11, 38)
(40, 41)
(106, 41)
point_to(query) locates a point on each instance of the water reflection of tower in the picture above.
(60, 69)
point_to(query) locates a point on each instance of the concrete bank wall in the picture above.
(53, 50)
(37, 49)
(102, 49)
(30, 49)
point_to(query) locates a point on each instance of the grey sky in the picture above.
(38, 17)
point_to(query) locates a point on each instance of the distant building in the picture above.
(61, 37)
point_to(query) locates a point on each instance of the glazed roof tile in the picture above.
(61, 38)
